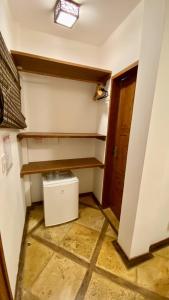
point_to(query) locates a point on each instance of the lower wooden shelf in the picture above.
(60, 165)
(37, 135)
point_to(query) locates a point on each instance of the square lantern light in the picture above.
(66, 12)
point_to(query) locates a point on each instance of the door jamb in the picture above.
(111, 131)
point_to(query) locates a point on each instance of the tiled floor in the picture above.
(77, 261)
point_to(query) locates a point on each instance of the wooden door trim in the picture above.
(4, 271)
(125, 70)
(111, 131)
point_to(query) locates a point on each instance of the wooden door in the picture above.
(5, 293)
(123, 91)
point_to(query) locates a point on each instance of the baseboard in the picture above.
(86, 194)
(129, 263)
(36, 203)
(133, 262)
(96, 200)
(21, 255)
(159, 245)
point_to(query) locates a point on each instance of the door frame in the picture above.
(5, 278)
(111, 130)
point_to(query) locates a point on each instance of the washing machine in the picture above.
(61, 197)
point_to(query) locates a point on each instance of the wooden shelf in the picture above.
(37, 135)
(31, 63)
(60, 165)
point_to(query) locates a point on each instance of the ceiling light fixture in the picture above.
(66, 12)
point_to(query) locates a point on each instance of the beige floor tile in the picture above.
(81, 241)
(141, 297)
(35, 216)
(112, 218)
(110, 232)
(60, 280)
(101, 288)
(54, 234)
(36, 257)
(90, 217)
(28, 296)
(154, 275)
(164, 252)
(110, 260)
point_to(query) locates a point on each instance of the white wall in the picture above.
(119, 51)
(7, 24)
(55, 104)
(145, 197)
(123, 46)
(52, 46)
(153, 206)
(61, 104)
(12, 204)
(56, 47)
(12, 209)
(133, 206)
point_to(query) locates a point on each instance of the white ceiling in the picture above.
(98, 18)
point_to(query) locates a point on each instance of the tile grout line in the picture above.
(124, 283)
(30, 294)
(33, 234)
(104, 214)
(112, 226)
(35, 227)
(90, 205)
(18, 291)
(127, 284)
(86, 280)
(62, 251)
(136, 275)
(40, 272)
(57, 248)
(91, 266)
(26, 234)
(157, 296)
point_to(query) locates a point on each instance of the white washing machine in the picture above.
(61, 197)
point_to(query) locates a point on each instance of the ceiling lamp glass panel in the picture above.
(66, 12)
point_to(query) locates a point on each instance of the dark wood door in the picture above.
(5, 293)
(124, 91)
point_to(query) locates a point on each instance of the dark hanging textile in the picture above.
(10, 97)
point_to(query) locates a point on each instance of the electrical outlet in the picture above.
(3, 163)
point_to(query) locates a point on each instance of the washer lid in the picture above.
(58, 177)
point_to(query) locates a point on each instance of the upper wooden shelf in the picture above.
(31, 63)
(60, 165)
(37, 135)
